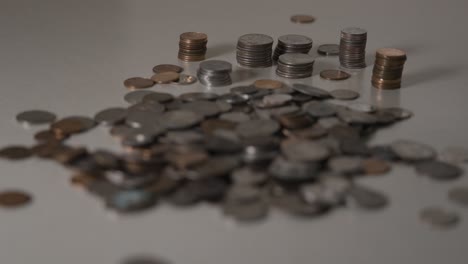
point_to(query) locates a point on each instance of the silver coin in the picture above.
(296, 58)
(255, 40)
(459, 195)
(248, 176)
(36, 117)
(310, 90)
(293, 171)
(304, 150)
(223, 106)
(336, 182)
(140, 136)
(253, 211)
(344, 94)
(366, 198)
(412, 151)
(319, 194)
(362, 107)
(216, 66)
(131, 201)
(137, 119)
(295, 40)
(181, 119)
(136, 97)
(236, 117)
(454, 155)
(345, 164)
(398, 112)
(439, 217)
(111, 116)
(295, 205)
(197, 96)
(183, 137)
(157, 97)
(318, 109)
(244, 90)
(257, 128)
(153, 107)
(329, 122)
(438, 170)
(203, 108)
(233, 98)
(213, 167)
(329, 49)
(274, 100)
(185, 79)
(354, 31)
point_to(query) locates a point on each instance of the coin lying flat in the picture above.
(257, 128)
(181, 119)
(302, 19)
(131, 201)
(412, 151)
(304, 150)
(35, 117)
(366, 198)
(267, 84)
(439, 217)
(334, 75)
(136, 96)
(167, 68)
(454, 155)
(15, 153)
(111, 116)
(438, 170)
(185, 79)
(344, 94)
(329, 49)
(374, 166)
(165, 77)
(136, 83)
(14, 199)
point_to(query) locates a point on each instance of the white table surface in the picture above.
(71, 57)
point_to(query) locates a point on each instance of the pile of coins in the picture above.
(255, 50)
(192, 46)
(388, 68)
(353, 48)
(295, 65)
(215, 73)
(292, 44)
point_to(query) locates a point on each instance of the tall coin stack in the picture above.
(215, 73)
(388, 68)
(254, 50)
(292, 44)
(192, 46)
(353, 48)
(295, 65)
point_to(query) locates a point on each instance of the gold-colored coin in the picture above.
(136, 83)
(334, 75)
(268, 84)
(165, 77)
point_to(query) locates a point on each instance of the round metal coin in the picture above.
(438, 170)
(334, 75)
(35, 117)
(136, 83)
(167, 68)
(15, 153)
(111, 116)
(302, 19)
(344, 94)
(329, 49)
(439, 217)
(412, 151)
(14, 198)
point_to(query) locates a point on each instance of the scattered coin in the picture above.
(329, 49)
(111, 116)
(181, 119)
(165, 77)
(302, 19)
(439, 217)
(167, 68)
(374, 166)
(312, 91)
(412, 151)
(304, 150)
(131, 200)
(267, 84)
(157, 97)
(136, 83)
(35, 117)
(362, 107)
(14, 199)
(459, 195)
(455, 155)
(15, 153)
(345, 164)
(334, 75)
(366, 198)
(136, 96)
(185, 79)
(438, 170)
(319, 109)
(257, 128)
(344, 94)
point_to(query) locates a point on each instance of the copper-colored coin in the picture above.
(165, 77)
(334, 75)
(14, 198)
(47, 149)
(82, 179)
(373, 166)
(136, 83)
(15, 153)
(66, 155)
(187, 159)
(68, 126)
(193, 36)
(167, 68)
(302, 19)
(268, 84)
(391, 54)
(48, 135)
(210, 125)
(313, 132)
(295, 120)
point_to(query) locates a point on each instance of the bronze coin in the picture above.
(165, 77)
(210, 125)
(334, 75)
(14, 198)
(302, 19)
(374, 166)
(267, 84)
(48, 135)
(82, 179)
(167, 68)
(67, 155)
(391, 54)
(15, 153)
(136, 83)
(193, 36)
(47, 149)
(186, 159)
(314, 132)
(68, 126)
(295, 120)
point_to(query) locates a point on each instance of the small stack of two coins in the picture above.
(388, 68)
(192, 46)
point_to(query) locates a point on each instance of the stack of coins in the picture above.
(215, 73)
(292, 44)
(254, 50)
(388, 68)
(192, 46)
(353, 48)
(295, 65)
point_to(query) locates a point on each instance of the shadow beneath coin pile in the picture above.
(429, 74)
(219, 49)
